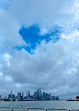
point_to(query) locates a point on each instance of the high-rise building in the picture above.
(28, 95)
(0, 97)
(19, 96)
(11, 96)
(22, 97)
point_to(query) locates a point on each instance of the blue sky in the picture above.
(32, 36)
(39, 46)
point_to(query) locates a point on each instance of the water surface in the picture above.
(60, 104)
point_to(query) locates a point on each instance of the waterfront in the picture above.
(61, 104)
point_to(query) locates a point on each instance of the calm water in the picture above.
(42, 104)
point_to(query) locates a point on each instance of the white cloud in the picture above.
(53, 66)
(41, 11)
(7, 58)
(9, 32)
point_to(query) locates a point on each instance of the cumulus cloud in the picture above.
(9, 36)
(42, 11)
(52, 66)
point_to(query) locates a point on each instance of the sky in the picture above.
(39, 46)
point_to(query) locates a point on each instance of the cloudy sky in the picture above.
(39, 46)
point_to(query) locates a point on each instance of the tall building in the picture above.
(0, 97)
(55, 98)
(39, 94)
(19, 96)
(22, 97)
(11, 96)
(34, 95)
(28, 95)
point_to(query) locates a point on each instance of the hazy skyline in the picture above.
(39, 46)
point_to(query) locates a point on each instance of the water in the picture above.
(42, 104)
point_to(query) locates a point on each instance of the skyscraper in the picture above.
(19, 96)
(28, 95)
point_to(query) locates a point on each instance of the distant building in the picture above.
(0, 97)
(36, 96)
(22, 97)
(55, 98)
(19, 96)
(11, 97)
(28, 95)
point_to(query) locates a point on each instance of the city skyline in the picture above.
(37, 95)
